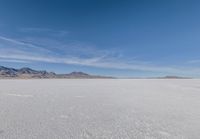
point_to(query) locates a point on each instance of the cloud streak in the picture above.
(21, 51)
(7, 60)
(51, 32)
(6, 43)
(196, 61)
(101, 63)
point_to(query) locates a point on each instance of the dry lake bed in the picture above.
(100, 109)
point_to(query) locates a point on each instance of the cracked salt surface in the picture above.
(99, 109)
(79, 96)
(1, 131)
(18, 95)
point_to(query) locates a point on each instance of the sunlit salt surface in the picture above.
(100, 109)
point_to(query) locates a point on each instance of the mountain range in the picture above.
(28, 73)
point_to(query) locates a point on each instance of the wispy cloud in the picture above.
(13, 61)
(15, 50)
(104, 63)
(195, 61)
(59, 33)
(6, 42)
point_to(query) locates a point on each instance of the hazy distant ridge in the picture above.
(6, 72)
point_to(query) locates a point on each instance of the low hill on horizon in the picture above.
(28, 73)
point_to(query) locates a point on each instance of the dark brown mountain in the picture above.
(174, 77)
(27, 73)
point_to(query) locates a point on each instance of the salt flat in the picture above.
(100, 109)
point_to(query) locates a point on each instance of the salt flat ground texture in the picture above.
(100, 109)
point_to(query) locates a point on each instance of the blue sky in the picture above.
(124, 38)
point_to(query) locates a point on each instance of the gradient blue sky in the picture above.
(108, 37)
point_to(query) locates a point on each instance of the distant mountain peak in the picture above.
(172, 77)
(27, 72)
(78, 73)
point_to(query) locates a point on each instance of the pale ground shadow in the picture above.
(1, 131)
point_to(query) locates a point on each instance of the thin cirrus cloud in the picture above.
(51, 32)
(13, 60)
(13, 50)
(195, 61)
(16, 45)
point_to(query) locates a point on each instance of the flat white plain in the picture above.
(100, 109)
